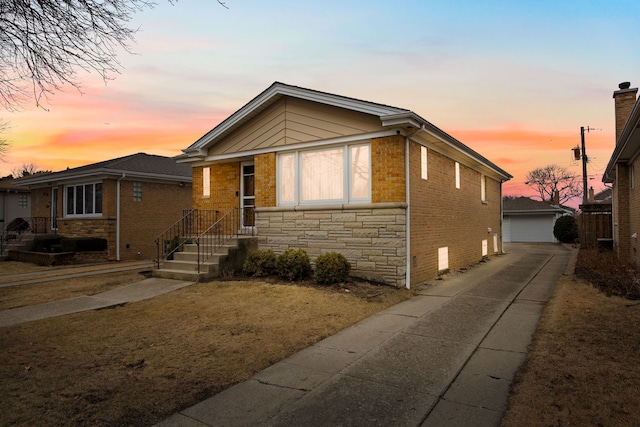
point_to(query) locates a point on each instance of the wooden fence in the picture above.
(595, 223)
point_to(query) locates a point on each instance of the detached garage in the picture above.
(527, 220)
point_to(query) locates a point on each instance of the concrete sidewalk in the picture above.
(144, 289)
(443, 358)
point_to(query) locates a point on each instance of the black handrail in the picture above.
(182, 231)
(230, 225)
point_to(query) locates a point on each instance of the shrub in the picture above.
(332, 267)
(566, 229)
(260, 263)
(47, 244)
(83, 244)
(293, 264)
(603, 269)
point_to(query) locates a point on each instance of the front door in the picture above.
(248, 195)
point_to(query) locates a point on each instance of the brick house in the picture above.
(400, 198)
(127, 200)
(623, 173)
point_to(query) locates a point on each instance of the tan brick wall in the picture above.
(387, 170)
(104, 227)
(444, 216)
(142, 221)
(225, 187)
(634, 215)
(265, 169)
(624, 103)
(621, 218)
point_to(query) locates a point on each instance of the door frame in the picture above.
(243, 197)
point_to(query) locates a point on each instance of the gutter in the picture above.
(407, 192)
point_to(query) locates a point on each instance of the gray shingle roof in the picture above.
(140, 165)
(526, 204)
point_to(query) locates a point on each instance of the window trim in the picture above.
(457, 167)
(424, 163)
(347, 180)
(483, 188)
(83, 185)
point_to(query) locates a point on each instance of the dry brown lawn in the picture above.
(583, 365)
(139, 363)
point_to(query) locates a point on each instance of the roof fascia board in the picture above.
(621, 147)
(101, 174)
(459, 146)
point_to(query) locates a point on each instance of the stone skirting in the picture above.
(372, 237)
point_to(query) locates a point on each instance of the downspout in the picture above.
(408, 201)
(118, 217)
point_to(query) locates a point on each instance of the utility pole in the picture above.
(585, 194)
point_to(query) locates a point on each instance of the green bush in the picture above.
(260, 263)
(293, 264)
(332, 267)
(566, 229)
(46, 244)
(83, 244)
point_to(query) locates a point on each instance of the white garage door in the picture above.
(531, 228)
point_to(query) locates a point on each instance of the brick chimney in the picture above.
(625, 99)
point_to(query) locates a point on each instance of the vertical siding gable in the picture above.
(292, 121)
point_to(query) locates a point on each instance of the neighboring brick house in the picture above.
(128, 201)
(400, 198)
(15, 202)
(528, 220)
(623, 172)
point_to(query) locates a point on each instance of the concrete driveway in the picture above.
(443, 358)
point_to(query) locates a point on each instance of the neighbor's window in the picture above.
(483, 188)
(84, 199)
(337, 174)
(423, 162)
(457, 175)
(22, 200)
(632, 176)
(206, 182)
(137, 191)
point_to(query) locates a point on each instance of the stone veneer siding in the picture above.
(372, 236)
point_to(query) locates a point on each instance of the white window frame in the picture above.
(347, 180)
(94, 214)
(457, 175)
(423, 162)
(483, 188)
(206, 181)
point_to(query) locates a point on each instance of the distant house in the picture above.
(399, 197)
(623, 173)
(528, 220)
(128, 201)
(15, 202)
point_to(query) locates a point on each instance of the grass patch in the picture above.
(142, 362)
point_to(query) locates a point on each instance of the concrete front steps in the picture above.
(227, 260)
(23, 242)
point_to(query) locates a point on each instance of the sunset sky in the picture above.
(512, 80)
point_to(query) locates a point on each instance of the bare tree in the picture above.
(4, 144)
(43, 43)
(551, 178)
(27, 170)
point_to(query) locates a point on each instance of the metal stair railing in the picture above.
(21, 227)
(223, 230)
(185, 230)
